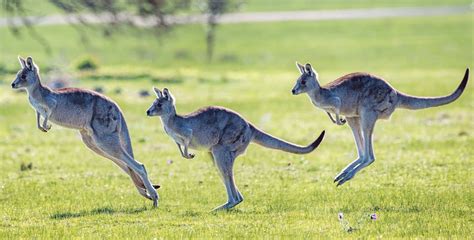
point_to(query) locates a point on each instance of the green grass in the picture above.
(420, 185)
(406, 43)
(44, 7)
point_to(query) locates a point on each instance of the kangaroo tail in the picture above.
(264, 139)
(412, 102)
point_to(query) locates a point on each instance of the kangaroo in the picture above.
(98, 119)
(221, 131)
(363, 99)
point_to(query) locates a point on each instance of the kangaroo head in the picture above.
(28, 75)
(163, 104)
(307, 81)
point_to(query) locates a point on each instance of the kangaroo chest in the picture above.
(173, 134)
(37, 106)
(320, 102)
(316, 103)
(321, 105)
(192, 142)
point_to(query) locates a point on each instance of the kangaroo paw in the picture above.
(154, 197)
(348, 176)
(156, 186)
(190, 156)
(227, 206)
(148, 197)
(42, 129)
(341, 176)
(341, 122)
(347, 169)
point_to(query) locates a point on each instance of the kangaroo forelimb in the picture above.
(43, 127)
(185, 153)
(338, 121)
(46, 126)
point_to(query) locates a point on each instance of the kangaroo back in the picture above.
(264, 139)
(413, 102)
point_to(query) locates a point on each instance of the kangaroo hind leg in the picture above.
(367, 123)
(224, 160)
(354, 123)
(127, 145)
(89, 142)
(110, 144)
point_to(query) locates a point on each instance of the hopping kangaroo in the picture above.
(221, 131)
(363, 99)
(98, 119)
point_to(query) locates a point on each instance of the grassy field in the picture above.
(365, 45)
(44, 7)
(420, 185)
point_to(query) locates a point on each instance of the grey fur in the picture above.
(98, 119)
(363, 99)
(221, 131)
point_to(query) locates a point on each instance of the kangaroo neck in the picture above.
(169, 119)
(315, 94)
(37, 91)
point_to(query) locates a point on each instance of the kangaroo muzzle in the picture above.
(15, 85)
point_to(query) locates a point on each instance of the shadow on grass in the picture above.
(96, 211)
(232, 211)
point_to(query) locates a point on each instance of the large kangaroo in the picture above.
(363, 99)
(221, 131)
(98, 119)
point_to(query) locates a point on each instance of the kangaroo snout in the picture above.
(13, 85)
(293, 91)
(148, 112)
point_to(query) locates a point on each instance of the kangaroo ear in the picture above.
(30, 64)
(300, 67)
(308, 69)
(157, 92)
(168, 94)
(22, 62)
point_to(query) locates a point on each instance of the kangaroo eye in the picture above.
(303, 81)
(23, 77)
(158, 105)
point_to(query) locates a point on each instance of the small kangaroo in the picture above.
(98, 119)
(363, 99)
(221, 131)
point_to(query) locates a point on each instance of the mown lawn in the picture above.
(45, 7)
(420, 185)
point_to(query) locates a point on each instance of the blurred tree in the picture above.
(213, 9)
(137, 13)
(115, 13)
(15, 8)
